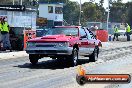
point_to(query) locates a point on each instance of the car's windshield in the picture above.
(65, 31)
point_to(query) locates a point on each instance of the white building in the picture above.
(23, 19)
(52, 12)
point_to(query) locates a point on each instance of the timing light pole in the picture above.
(13, 2)
(80, 13)
(108, 15)
(21, 2)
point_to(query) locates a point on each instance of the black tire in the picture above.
(81, 80)
(74, 57)
(33, 59)
(93, 57)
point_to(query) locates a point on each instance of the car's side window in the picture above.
(90, 35)
(82, 32)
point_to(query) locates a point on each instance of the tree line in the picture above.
(90, 11)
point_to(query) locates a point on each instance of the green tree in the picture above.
(119, 1)
(129, 12)
(16, 2)
(53, 1)
(101, 2)
(2, 2)
(93, 12)
(117, 11)
(71, 12)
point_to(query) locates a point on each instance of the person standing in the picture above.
(116, 34)
(5, 35)
(0, 33)
(0, 24)
(128, 30)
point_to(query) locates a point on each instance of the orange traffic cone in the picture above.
(81, 71)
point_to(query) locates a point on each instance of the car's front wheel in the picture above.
(74, 57)
(33, 59)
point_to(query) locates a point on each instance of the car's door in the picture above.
(91, 39)
(83, 42)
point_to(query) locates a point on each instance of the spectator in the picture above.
(128, 30)
(116, 33)
(5, 34)
(0, 30)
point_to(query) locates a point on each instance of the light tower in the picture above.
(108, 14)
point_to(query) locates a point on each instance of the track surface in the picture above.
(19, 73)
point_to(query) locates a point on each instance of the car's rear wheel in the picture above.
(33, 59)
(94, 56)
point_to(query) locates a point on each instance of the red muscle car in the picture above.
(64, 42)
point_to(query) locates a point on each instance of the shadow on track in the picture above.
(50, 64)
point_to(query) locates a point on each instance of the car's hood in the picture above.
(50, 38)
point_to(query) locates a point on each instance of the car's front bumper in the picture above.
(50, 50)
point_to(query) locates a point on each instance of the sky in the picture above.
(105, 1)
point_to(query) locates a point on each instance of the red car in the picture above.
(64, 42)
